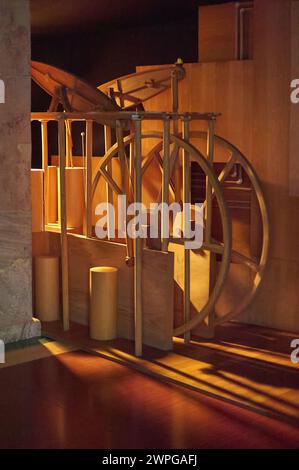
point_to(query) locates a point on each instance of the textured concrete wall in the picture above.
(15, 160)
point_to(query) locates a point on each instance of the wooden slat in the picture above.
(165, 183)
(63, 234)
(88, 179)
(186, 200)
(138, 291)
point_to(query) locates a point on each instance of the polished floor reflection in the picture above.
(76, 400)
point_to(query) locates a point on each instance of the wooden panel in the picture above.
(277, 305)
(40, 243)
(157, 288)
(294, 113)
(199, 281)
(224, 87)
(217, 32)
(245, 32)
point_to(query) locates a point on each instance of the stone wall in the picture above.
(15, 160)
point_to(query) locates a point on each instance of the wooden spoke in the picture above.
(224, 174)
(173, 158)
(113, 185)
(147, 162)
(242, 259)
(213, 246)
(228, 167)
(171, 184)
(236, 257)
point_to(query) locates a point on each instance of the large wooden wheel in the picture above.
(179, 144)
(256, 265)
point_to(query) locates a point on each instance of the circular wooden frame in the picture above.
(257, 267)
(225, 249)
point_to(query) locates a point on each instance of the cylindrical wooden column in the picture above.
(103, 282)
(51, 208)
(46, 275)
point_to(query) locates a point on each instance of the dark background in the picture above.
(99, 40)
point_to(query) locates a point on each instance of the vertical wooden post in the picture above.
(209, 209)
(209, 198)
(165, 183)
(69, 143)
(175, 97)
(138, 241)
(45, 156)
(124, 178)
(132, 163)
(186, 200)
(175, 108)
(63, 234)
(83, 144)
(88, 180)
(109, 193)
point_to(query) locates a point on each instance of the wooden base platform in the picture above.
(245, 365)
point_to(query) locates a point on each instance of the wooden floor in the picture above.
(244, 365)
(79, 400)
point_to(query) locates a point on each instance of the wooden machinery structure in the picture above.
(163, 143)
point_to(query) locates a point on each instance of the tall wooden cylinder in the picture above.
(74, 178)
(37, 196)
(51, 201)
(46, 288)
(103, 283)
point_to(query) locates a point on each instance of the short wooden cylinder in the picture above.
(46, 275)
(103, 282)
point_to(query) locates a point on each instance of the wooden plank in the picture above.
(157, 290)
(218, 29)
(224, 87)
